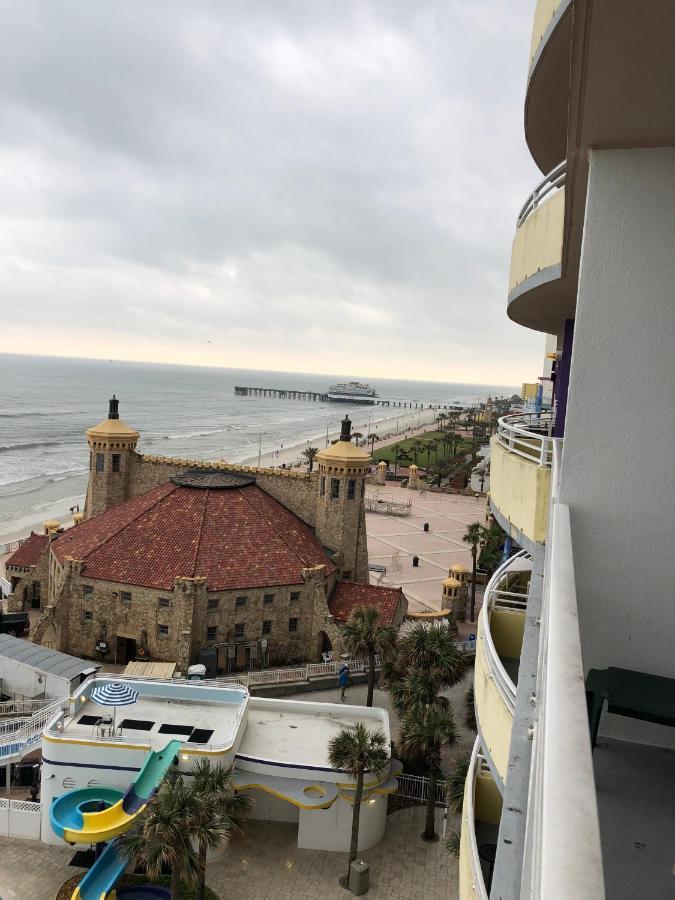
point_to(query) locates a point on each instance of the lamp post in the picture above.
(260, 437)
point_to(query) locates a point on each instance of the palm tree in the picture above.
(417, 447)
(356, 750)
(372, 437)
(473, 536)
(365, 637)
(357, 435)
(456, 441)
(161, 837)
(455, 783)
(427, 649)
(220, 805)
(425, 730)
(442, 418)
(310, 455)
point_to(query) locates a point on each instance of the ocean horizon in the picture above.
(47, 403)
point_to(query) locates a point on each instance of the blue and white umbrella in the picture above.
(114, 693)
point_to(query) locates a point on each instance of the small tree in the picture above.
(372, 437)
(425, 730)
(161, 837)
(310, 455)
(473, 536)
(357, 435)
(221, 809)
(365, 637)
(356, 750)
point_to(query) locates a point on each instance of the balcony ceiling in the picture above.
(547, 94)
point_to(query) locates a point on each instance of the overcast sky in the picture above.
(308, 186)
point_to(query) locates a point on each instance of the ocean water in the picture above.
(47, 403)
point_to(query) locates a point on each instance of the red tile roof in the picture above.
(29, 552)
(235, 538)
(348, 596)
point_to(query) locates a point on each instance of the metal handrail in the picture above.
(551, 182)
(476, 868)
(563, 856)
(529, 436)
(505, 686)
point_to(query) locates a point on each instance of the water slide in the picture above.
(98, 814)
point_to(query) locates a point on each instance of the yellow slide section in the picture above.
(100, 827)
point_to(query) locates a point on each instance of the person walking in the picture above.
(343, 681)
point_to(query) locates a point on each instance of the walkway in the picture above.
(442, 546)
(402, 866)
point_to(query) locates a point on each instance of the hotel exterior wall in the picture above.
(494, 715)
(537, 245)
(520, 489)
(617, 462)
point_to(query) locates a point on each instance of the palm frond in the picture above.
(356, 749)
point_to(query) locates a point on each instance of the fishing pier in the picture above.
(284, 394)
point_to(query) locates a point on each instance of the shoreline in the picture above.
(288, 457)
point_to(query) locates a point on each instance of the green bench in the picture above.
(628, 693)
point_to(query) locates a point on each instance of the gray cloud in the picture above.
(267, 172)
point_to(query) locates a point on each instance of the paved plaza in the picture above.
(265, 862)
(393, 541)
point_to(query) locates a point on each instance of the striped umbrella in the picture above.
(114, 693)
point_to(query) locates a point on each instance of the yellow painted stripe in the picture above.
(268, 790)
(119, 746)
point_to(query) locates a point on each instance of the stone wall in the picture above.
(87, 611)
(21, 597)
(341, 522)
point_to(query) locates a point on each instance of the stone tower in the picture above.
(111, 444)
(340, 511)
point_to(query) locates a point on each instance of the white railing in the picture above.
(10, 546)
(551, 182)
(500, 676)
(475, 764)
(271, 676)
(528, 436)
(416, 787)
(22, 707)
(18, 735)
(562, 856)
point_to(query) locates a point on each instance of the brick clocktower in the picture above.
(340, 512)
(111, 445)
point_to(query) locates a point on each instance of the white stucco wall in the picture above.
(617, 465)
(331, 829)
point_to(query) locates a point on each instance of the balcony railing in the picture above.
(470, 865)
(550, 183)
(496, 599)
(529, 436)
(562, 856)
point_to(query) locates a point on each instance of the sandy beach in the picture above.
(389, 429)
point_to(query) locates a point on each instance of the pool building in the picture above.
(279, 750)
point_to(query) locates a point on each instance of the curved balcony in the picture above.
(520, 476)
(539, 296)
(548, 79)
(481, 812)
(500, 637)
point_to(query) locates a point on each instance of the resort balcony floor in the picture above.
(635, 786)
(512, 666)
